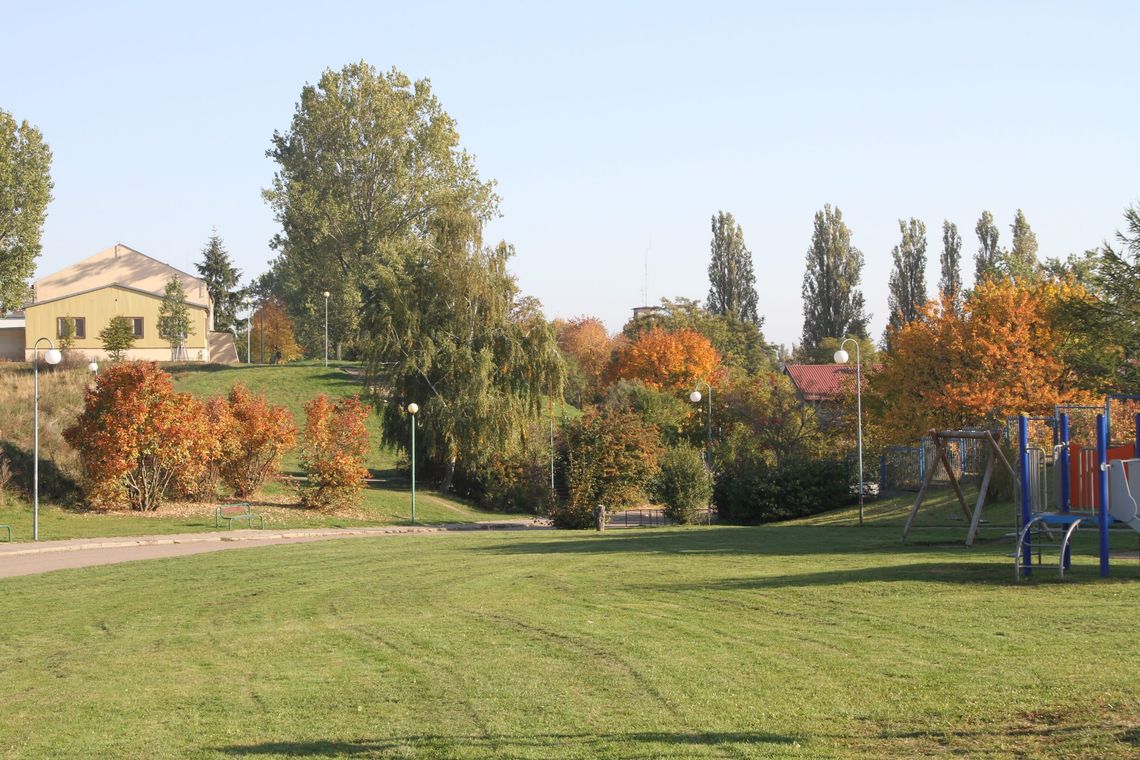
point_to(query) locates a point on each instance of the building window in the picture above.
(71, 327)
(137, 324)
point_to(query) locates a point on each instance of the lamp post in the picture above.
(841, 357)
(326, 328)
(412, 409)
(51, 356)
(248, 335)
(93, 368)
(695, 397)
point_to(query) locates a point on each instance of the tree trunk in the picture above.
(448, 476)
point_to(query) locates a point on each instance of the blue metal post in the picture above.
(1026, 516)
(1137, 443)
(1102, 490)
(1063, 463)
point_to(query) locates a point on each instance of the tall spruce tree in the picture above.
(732, 285)
(1021, 261)
(907, 284)
(25, 191)
(950, 282)
(833, 303)
(222, 280)
(988, 259)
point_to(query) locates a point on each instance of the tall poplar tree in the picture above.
(833, 303)
(222, 279)
(174, 323)
(25, 191)
(950, 282)
(732, 285)
(1021, 261)
(907, 284)
(988, 259)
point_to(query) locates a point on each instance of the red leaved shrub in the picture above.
(258, 436)
(333, 451)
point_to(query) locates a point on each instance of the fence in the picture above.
(903, 468)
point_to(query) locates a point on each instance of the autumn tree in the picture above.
(740, 344)
(833, 302)
(671, 361)
(333, 450)
(732, 285)
(588, 348)
(136, 436)
(272, 333)
(999, 356)
(260, 435)
(764, 411)
(988, 258)
(907, 285)
(25, 192)
(950, 281)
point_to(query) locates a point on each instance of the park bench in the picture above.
(237, 511)
(9, 529)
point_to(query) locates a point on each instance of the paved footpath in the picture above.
(44, 556)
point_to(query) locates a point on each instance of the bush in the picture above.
(201, 483)
(608, 457)
(572, 516)
(332, 454)
(261, 435)
(683, 485)
(136, 436)
(749, 491)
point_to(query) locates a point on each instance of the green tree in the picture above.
(174, 324)
(732, 285)
(25, 192)
(118, 337)
(222, 280)
(369, 161)
(446, 327)
(1020, 262)
(989, 254)
(950, 282)
(833, 303)
(907, 284)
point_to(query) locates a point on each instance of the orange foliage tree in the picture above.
(259, 435)
(272, 331)
(999, 356)
(136, 437)
(586, 342)
(667, 360)
(332, 453)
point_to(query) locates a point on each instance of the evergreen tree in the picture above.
(1021, 261)
(732, 285)
(25, 191)
(833, 303)
(174, 324)
(907, 284)
(989, 255)
(950, 283)
(117, 337)
(221, 283)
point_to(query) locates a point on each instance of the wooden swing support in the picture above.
(941, 437)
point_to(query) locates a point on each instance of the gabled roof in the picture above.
(120, 285)
(119, 265)
(821, 382)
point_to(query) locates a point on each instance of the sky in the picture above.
(614, 130)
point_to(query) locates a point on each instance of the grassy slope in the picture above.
(798, 640)
(386, 501)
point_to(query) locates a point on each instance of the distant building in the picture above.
(821, 383)
(646, 311)
(118, 281)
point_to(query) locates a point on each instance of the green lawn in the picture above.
(797, 640)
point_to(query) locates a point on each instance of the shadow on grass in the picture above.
(55, 484)
(972, 573)
(651, 744)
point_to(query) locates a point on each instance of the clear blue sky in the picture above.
(615, 130)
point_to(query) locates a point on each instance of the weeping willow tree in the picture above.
(446, 327)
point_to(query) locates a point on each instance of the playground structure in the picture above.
(1090, 485)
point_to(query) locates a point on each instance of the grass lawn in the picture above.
(805, 639)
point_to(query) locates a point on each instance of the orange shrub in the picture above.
(333, 451)
(136, 436)
(260, 435)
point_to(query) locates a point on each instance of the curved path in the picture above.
(44, 556)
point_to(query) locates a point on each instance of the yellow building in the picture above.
(121, 281)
